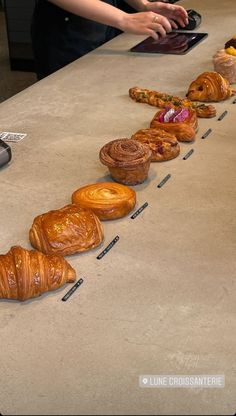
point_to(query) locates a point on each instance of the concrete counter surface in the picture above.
(162, 301)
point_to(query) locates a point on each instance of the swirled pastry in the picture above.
(27, 274)
(209, 86)
(162, 100)
(66, 231)
(164, 145)
(128, 160)
(182, 123)
(108, 200)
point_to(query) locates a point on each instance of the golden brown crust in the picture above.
(108, 200)
(27, 274)
(66, 231)
(184, 131)
(209, 87)
(162, 100)
(164, 145)
(128, 160)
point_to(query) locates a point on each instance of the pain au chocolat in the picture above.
(28, 274)
(71, 229)
(108, 200)
(128, 160)
(164, 145)
(181, 122)
(209, 86)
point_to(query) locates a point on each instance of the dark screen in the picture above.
(173, 43)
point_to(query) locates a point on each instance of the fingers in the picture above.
(143, 23)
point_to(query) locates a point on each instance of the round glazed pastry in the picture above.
(164, 145)
(66, 231)
(128, 160)
(182, 122)
(108, 200)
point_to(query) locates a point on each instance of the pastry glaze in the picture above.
(108, 200)
(128, 160)
(27, 274)
(66, 231)
(209, 86)
(164, 145)
(184, 131)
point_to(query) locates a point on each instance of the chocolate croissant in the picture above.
(128, 160)
(164, 145)
(66, 231)
(170, 121)
(209, 86)
(162, 100)
(108, 200)
(27, 274)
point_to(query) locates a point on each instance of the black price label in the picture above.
(139, 211)
(108, 248)
(205, 135)
(188, 154)
(223, 115)
(72, 290)
(163, 182)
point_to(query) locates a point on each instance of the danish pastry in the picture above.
(108, 200)
(162, 100)
(27, 274)
(164, 145)
(182, 123)
(128, 160)
(209, 86)
(225, 61)
(66, 231)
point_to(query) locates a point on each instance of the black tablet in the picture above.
(177, 43)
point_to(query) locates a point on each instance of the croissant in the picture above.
(162, 100)
(66, 231)
(108, 200)
(184, 131)
(128, 160)
(209, 86)
(27, 274)
(164, 145)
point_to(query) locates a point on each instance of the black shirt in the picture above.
(60, 37)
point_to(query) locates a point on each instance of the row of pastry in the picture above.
(77, 227)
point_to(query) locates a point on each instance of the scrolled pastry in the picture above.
(164, 145)
(28, 274)
(209, 86)
(108, 200)
(182, 123)
(66, 231)
(128, 160)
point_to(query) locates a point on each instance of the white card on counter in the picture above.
(9, 136)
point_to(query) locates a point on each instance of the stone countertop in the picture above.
(162, 301)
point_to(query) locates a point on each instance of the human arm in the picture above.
(141, 23)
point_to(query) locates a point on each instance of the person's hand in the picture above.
(146, 23)
(172, 12)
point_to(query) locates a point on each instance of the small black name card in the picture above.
(108, 248)
(188, 154)
(162, 183)
(72, 290)
(139, 211)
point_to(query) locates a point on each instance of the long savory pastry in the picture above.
(162, 100)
